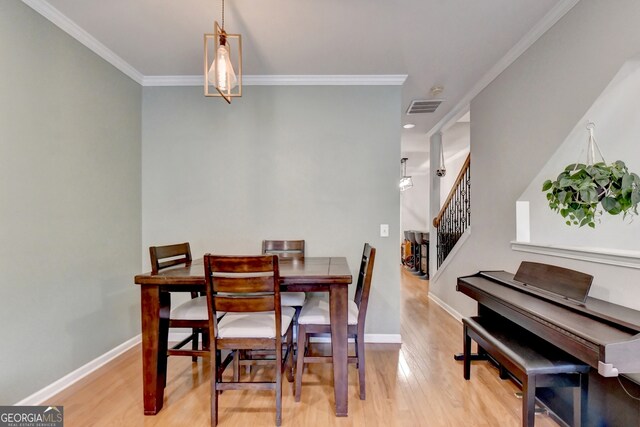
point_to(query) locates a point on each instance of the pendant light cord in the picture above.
(223, 15)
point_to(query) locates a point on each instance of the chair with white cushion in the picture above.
(192, 314)
(315, 320)
(248, 290)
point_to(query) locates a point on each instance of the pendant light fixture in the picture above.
(222, 63)
(442, 170)
(405, 182)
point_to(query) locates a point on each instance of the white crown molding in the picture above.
(326, 80)
(57, 386)
(286, 80)
(75, 31)
(509, 58)
(177, 80)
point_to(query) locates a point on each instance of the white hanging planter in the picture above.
(583, 191)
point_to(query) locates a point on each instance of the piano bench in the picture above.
(531, 360)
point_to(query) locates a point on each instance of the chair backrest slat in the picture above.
(241, 264)
(245, 304)
(179, 253)
(242, 283)
(363, 287)
(248, 284)
(284, 248)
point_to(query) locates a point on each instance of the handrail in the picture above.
(463, 171)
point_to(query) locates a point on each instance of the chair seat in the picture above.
(292, 299)
(254, 325)
(194, 309)
(316, 312)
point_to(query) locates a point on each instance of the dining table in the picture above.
(308, 274)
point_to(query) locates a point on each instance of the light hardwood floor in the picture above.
(414, 384)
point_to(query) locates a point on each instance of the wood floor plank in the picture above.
(414, 384)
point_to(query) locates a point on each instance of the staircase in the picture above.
(455, 216)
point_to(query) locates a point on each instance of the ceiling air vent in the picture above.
(422, 106)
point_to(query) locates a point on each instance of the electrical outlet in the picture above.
(384, 230)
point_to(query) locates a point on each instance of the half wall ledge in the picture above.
(621, 258)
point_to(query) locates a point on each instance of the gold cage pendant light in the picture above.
(222, 63)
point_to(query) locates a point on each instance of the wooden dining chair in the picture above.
(293, 249)
(248, 289)
(314, 320)
(191, 314)
(287, 250)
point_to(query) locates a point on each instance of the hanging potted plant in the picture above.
(582, 192)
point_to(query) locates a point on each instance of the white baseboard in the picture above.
(446, 307)
(383, 338)
(71, 378)
(56, 387)
(368, 338)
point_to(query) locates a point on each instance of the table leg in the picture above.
(339, 344)
(155, 307)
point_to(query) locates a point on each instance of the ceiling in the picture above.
(452, 43)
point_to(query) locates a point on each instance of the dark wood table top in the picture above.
(319, 270)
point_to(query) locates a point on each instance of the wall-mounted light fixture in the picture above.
(405, 182)
(224, 71)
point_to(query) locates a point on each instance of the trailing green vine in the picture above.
(581, 193)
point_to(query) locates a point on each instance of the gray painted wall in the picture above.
(70, 203)
(316, 163)
(519, 121)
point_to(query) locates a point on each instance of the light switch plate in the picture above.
(384, 230)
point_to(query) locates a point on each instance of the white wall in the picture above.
(415, 204)
(313, 163)
(69, 203)
(617, 132)
(415, 201)
(519, 121)
(456, 142)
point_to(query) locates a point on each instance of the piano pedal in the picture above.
(539, 410)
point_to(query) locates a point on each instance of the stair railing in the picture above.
(455, 216)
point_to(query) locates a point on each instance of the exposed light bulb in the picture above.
(405, 183)
(225, 79)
